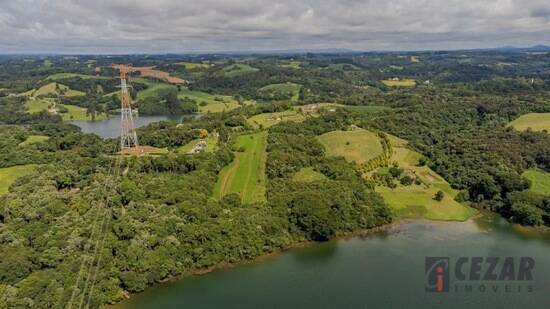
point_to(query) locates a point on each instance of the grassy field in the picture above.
(9, 174)
(308, 174)
(78, 113)
(356, 146)
(416, 201)
(59, 76)
(540, 181)
(194, 65)
(535, 121)
(238, 69)
(246, 174)
(35, 106)
(267, 120)
(214, 103)
(211, 145)
(208, 103)
(33, 139)
(153, 90)
(399, 83)
(50, 89)
(73, 112)
(286, 88)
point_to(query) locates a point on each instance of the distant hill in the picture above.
(536, 48)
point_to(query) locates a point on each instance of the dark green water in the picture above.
(383, 270)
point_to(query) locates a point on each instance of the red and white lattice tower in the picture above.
(128, 136)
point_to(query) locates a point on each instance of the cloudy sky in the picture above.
(166, 26)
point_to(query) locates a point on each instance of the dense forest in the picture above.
(87, 226)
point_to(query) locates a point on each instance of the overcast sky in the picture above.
(167, 26)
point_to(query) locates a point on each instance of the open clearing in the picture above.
(358, 145)
(9, 174)
(416, 200)
(287, 89)
(211, 145)
(535, 121)
(73, 112)
(50, 89)
(399, 83)
(194, 65)
(246, 174)
(267, 120)
(154, 73)
(239, 69)
(308, 174)
(33, 139)
(208, 103)
(540, 181)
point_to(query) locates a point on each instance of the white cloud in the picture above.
(179, 26)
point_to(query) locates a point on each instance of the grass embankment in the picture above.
(356, 146)
(540, 181)
(73, 112)
(417, 200)
(9, 174)
(535, 121)
(33, 139)
(308, 174)
(399, 83)
(211, 145)
(267, 120)
(246, 174)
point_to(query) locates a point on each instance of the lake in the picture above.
(382, 270)
(110, 128)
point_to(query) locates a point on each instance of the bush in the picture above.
(406, 180)
(439, 196)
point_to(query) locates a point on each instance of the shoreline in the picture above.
(390, 228)
(302, 244)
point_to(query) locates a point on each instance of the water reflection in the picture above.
(110, 128)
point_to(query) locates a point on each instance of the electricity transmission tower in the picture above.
(128, 136)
